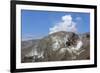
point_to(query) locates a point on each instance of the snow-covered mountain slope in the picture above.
(58, 46)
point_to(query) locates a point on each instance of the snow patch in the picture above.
(65, 38)
(56, 43)
(62, 50)
(35, 52)
(79, 45)
(41, 55)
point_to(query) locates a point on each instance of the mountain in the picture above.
(59, 46)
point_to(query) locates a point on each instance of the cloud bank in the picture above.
(66, 24)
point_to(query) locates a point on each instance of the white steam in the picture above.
(66, 24)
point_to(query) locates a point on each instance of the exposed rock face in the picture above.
(58, 46)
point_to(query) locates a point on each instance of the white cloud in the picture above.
(66, 24)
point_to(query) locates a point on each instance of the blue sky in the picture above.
(36, 24)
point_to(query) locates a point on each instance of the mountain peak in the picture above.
(57, 46)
